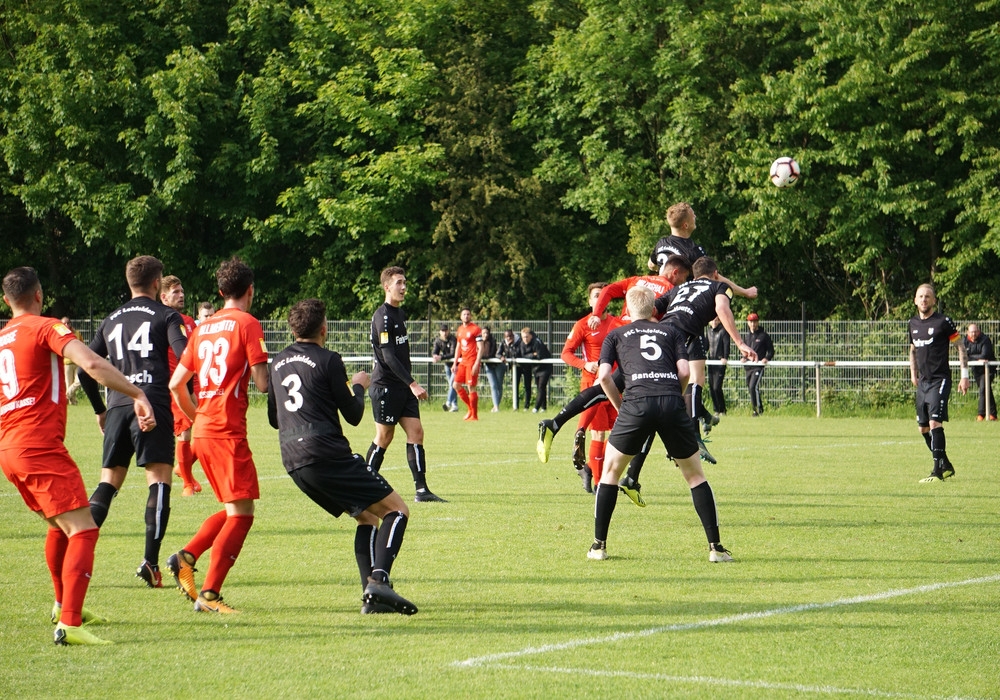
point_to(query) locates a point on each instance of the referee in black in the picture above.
(653, 358)
(308, 386)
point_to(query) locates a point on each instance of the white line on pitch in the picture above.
(719, 621)
(726, 682)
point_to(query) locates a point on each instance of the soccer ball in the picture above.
(784, 172)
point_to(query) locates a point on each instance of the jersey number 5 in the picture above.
(650, 350)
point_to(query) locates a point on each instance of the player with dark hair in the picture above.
(226, 351)
(32, 450)
(395, 394)
(653, 358)
(465, 366)
(308, 386)
(689, 307)
(931, 335)
(675, 271)
(137, 338)
(601, 416)
(172, 295)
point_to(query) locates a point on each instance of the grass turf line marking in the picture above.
(729, 683)
(719, 621)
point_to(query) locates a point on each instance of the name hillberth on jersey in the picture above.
(135, 338)
(647, 353)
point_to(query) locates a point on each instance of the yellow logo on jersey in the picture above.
(383, 338)
(184, 330)
(61, 329)
(262, 346)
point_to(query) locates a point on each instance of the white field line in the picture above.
(727, 683)
(718, 621)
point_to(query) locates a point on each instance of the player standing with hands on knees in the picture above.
(395, 394)
(931, 335)
(32, 450)
(653, 358)
(307, 389)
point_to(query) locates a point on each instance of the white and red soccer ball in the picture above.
(784, 172)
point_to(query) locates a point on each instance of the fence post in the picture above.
(804, 351)
(818, 403)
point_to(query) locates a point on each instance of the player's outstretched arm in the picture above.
(747, 292)
(963, 361)
(725, 313)
(179, 390)
(104, 372)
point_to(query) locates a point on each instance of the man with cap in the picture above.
(760, 342)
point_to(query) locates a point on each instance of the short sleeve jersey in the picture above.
(468, 337)
(33, 397)
(221, 353)
(137, 338)
(932, 337)
(391, 346)
(690, 306)
(618, 290)
(308, 384)
(675, 245)
(588, 341)
(647, 353)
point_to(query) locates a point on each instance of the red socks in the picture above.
(225, 549)
(77, 565)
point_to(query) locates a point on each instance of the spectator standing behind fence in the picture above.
(532, 348)
(508, 351)
(494, 370)
(718, 349)
(760, 342)
(979, 348)
(443, 350)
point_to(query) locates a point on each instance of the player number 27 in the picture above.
(213, 361)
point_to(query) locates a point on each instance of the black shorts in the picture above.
(696, 348)
(342, 485)
(123, 438)
(664, 415)
(392, 402)
(932, 400)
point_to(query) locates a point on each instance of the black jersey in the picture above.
(391, 345)
(647, 353)
(691, 306)
(135, 338)
(307, 386)
(932, 337)
(675, 245)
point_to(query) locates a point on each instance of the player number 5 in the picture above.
(650, 350)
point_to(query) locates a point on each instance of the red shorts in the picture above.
(603, 417)
(47, 478)
(463, 375)
(229, 466)
(181, 421)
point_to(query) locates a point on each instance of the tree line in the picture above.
(506, 154)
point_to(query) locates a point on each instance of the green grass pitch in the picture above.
(851, 578)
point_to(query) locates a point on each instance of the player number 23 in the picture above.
(213, 361)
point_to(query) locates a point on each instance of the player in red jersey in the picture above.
(172, 295)
(225, 351)
(32, 453)
(465, 366)
(599, 417)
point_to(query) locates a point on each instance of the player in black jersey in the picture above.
(395, 394)
(689, 307)
(135, 338)
(307, 387)
(931, 334)
(653, 358)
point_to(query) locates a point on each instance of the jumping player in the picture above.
(308, 386)
(395, 394)
(652, 356)
(137, 339)
(226, 351)
(32, 453)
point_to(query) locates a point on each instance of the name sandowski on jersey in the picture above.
(655, 376)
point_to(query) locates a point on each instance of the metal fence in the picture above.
(822, 363)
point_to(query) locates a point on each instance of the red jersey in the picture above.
(221, 352)
(618, 290)
(589, 343)
(469, 336)
(33, 397)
